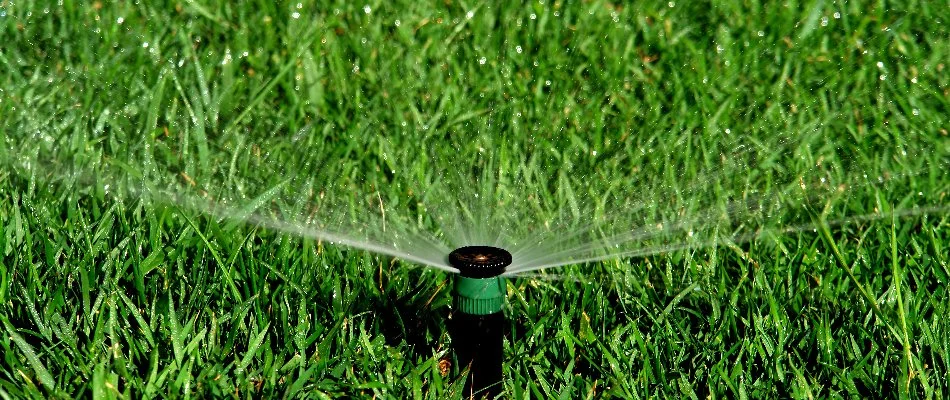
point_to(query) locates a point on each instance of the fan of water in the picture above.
(564, 136)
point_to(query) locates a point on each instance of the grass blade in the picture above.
(252, 350)
(42, 374)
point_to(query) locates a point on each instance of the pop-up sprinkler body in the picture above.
(479, 297)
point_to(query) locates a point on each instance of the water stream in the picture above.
(566, 150)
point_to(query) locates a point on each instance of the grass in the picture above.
(106, 290)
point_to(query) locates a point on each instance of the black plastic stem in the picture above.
(478, 345)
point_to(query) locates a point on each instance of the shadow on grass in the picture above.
(411, 318)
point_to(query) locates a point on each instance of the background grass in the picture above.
(108, 292)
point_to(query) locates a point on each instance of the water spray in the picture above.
(479, 296)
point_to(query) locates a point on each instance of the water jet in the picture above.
(479, 295)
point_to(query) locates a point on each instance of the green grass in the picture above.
(677, 110)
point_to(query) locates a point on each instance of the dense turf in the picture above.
(108, 292)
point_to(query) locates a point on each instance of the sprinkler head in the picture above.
(480, 261)
(481, 289)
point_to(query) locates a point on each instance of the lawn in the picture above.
(223, 199)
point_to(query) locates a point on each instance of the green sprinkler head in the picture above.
(481, 289)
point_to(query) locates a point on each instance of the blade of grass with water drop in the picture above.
(239, 215)
(40, 371)
(143, 326)
(896, 274)
(225, 268)
(830, 242)
(251, 352)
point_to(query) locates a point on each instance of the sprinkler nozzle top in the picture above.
(480, 261)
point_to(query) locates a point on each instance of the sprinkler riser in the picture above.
(479, 323)
(479, 341)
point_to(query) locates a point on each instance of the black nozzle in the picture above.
(480, 261)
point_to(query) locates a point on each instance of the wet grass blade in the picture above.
(40, 371)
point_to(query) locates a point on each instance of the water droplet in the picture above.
(518, 49)
(299, 5)
(837, 15)
(119, 20)
(145, 45)
(482, 60)
(880, 65)
(547, 83)
(824, 21)
(295, 15)
(367, 9)
(533, 16)
(916, 111)
(760, 33)
(470, 15)
(398, 22)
